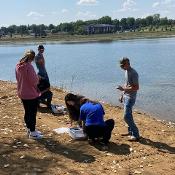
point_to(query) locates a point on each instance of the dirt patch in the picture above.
(59, 154)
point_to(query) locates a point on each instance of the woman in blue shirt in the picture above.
(92, 115)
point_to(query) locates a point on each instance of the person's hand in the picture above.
(120, 88)
(69, 125)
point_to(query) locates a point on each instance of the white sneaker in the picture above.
(134, 139)
(39, 132)
(35, 135)
(28, 132)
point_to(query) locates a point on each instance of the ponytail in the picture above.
(28, 56)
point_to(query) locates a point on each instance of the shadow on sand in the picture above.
(162, 147)
(118, 149)
(12, 163)
(70, 153)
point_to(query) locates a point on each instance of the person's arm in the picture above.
(83, 126)
(80, 123)
(82, 117)
(131, 88)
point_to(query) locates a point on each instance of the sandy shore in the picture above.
(59, 154)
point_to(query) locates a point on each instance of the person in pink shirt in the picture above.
(27, 81)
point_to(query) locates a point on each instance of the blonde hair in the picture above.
(29, 55)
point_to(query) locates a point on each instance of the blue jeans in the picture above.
(128, 117)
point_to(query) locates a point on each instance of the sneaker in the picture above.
(35, 135)
(133, 139)
(39, 132)
(28, 132)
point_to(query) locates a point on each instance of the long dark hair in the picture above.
(74, 111)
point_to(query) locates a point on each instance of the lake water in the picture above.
(92, 69)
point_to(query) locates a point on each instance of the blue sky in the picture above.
(56, 11)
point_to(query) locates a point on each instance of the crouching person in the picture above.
(92, 115)
(46, 94)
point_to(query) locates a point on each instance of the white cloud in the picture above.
(168, 2)
(164, 4)
(155, 4)
(164, 7)
(34, 14)
(85, 15)
(87, 2)
(64, 10)
(128, 5)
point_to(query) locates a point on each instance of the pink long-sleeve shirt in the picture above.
(27, 81)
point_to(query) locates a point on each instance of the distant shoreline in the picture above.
(66, 39)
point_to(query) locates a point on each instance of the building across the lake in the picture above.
(99, 28)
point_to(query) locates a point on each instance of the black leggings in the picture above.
(30, 107)
(96, 131)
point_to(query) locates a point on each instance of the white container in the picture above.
(56, 109)
(77, 133)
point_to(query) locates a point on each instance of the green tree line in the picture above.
(78, 27)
